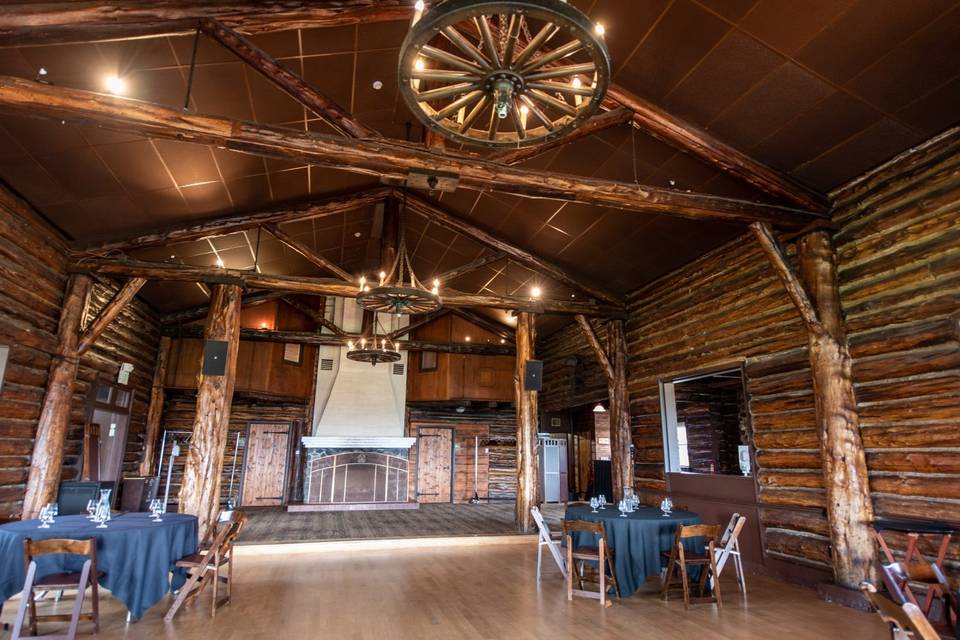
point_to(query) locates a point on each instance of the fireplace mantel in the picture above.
(357, 442)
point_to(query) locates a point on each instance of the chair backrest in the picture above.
(730, 527)
(709, 532)
(897, 575)
(541, 523)
(52, 546)
(730, 540)
(919, 624)
(584, 526)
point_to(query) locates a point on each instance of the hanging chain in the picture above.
(633, 152)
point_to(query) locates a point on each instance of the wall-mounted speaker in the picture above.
(214, 357)
(533, 375)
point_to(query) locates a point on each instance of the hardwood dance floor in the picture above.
(475, 592)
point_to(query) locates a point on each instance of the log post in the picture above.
(619, 400)
(527, 467)
(200, 491)
(47, 460)
(155, 408)
(817, 298)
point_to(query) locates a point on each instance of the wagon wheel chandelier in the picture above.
(507, 73)
(399, 291)
(376, 350)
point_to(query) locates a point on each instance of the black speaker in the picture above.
(214, 357)
(73, 496)
(137, 492)
(533, 375)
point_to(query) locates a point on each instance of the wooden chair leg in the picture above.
(683, 576)
(230, 577)
(603, 575)
(188, 588)
(95, 601)
(539, 557)
(572, 571)
(216, 585)
(671, 565)
(78, 605)
(26, 602)
(716, 581)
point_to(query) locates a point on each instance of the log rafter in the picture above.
(314, 315)
(109, 313)
(383, 158)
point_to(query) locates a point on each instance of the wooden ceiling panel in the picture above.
(249, 192)
(626, 22)
(81, 172)
(332, 40)
(136, 165)
(787, 25)
(729, 9)
(207, 198)
(936, 111)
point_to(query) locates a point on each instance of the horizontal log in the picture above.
(922, 508)
(24, 23)
(787, 459)
(911, 436)
(931, 461)
(810, 546)
(806, 520)
(776, 496)
(925, 486)
(382, 158)
(196, 313)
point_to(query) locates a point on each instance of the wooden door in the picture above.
(434, 464)
(265, 466)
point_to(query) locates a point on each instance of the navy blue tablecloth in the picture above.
(135, 554)
(637, 540)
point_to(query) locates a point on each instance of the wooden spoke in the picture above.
(488, 42)
(455, 106)
(433, 75)
(560, 52)
(517, 121)
(534, 109)
(453, 60)
(562, 87)
(494, 125)
(474, 114)
(547, 32)
(448, 92)
(549, 100)
(513, 32)
(560, 72)
(466, 47)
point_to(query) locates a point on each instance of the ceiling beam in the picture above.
(685, 136)
(592, 126)
(326, 340)
(32, 23)
(436, 213)
(324, 286)
(290, 83)
(314, 315)
(307, 251)
(112, 309)
(473, 265)
(197, 313)
(382, 158)
(417, 322)
(319, 208)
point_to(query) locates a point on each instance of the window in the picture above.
(292, 353)
(428, 361)
(706, 425)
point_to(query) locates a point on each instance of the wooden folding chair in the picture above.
(87, 577)
(602, 554)
(550, 539)
(730, 547)
(897, 578)
(205, 566)
(906, 622)
(679, 557)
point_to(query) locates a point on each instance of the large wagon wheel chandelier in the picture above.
(503, 74)
(376, 350)
(399, 291)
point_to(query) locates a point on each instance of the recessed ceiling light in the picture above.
(357, 234)
(377, 85)
(115, 85)
(503, 341)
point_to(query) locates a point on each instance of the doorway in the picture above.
(265, 466)
(434, 464)
(105, 431)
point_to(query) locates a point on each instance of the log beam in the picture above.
(290, 83)
(526, 401)
(113, 308)
(155, 408)
(382, 158)
(25, 23)
(437, 214)
(47, 461)
(307, 251)
(325, 286)
(591, 337)
(849, 505)
(200, 491)
(596, 124)
(473, 265)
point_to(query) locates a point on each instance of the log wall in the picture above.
(899, 269)
(32, 280)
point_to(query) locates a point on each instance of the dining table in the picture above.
(135, 555)
(638, 540)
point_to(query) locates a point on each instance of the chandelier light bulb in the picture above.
(363, 281)
(220, 262)
(350, 345)
(419, 6)
(524, 111)
(536, 292)
(576, 84)
(599, 29)
(115, 85)
(383, 276)
(363, 343)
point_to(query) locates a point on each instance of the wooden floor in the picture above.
(485, 592)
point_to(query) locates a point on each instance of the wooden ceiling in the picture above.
(821, 92)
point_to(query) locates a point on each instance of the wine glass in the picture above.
(103, 514)
(91, 508)
(635, 501)
(156, 507)
(44, 514)
(666, 506)
(603, 501)
(623, 508)
(54, 511)
(594, 503)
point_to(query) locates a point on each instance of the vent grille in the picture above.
(398, 369)
(326, 364)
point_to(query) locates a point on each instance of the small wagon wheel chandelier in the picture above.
(376, 350)
(506, 73)
(400, 291)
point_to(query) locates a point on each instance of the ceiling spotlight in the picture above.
(573, 295)
(357, 234)
(377, 84)
(503, 341)
(599, 408)
(115, 85)
(220, 262)
(419, 6)
(467, 338)
(536, 292)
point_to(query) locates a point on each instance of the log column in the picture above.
(200, 492)
(526, 402)
(619, 400)
(155, 409)
(817, 298)
(47, 461)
